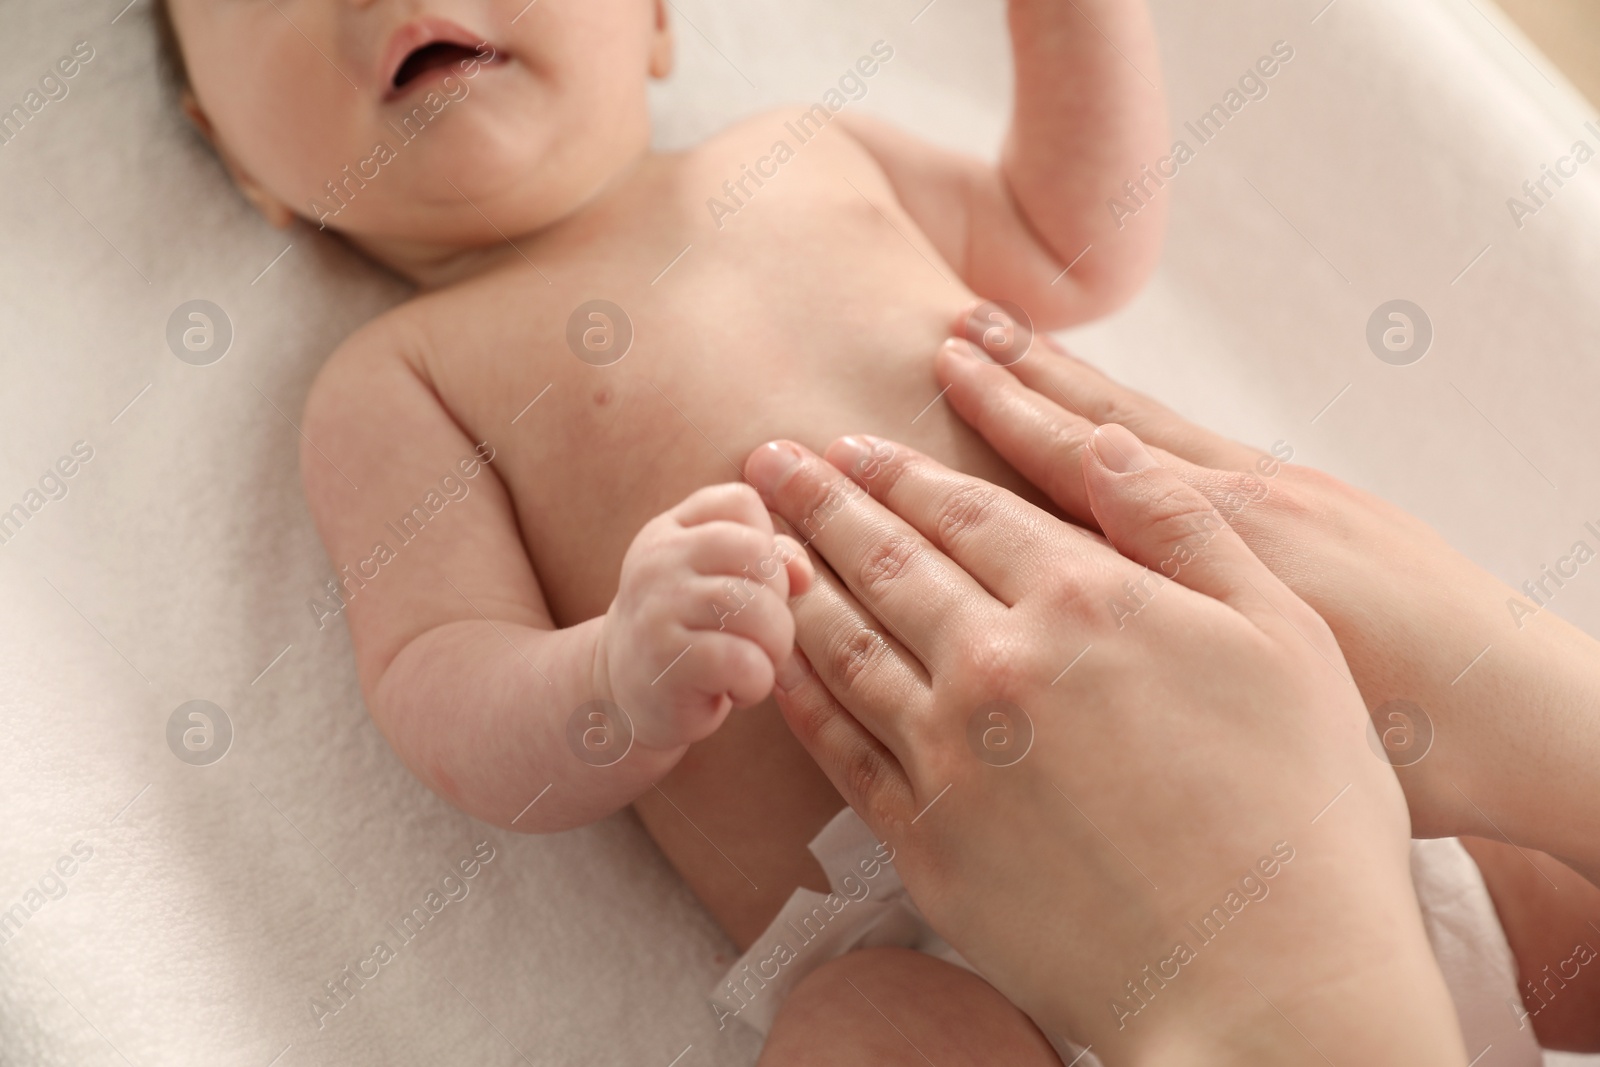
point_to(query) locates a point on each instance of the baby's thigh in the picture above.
(893, 1006)
(735, 818)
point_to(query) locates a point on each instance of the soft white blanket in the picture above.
(166, 913)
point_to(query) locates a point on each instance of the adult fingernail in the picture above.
(853, 454)
(959, 325)
(1002, 330)
(962, 349)
(792, 671)
(770, 464)
(987, 315)
(1120, 451)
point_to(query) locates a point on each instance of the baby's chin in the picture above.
(500, 171)
(462, 197)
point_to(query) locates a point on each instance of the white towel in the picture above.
(218, 901)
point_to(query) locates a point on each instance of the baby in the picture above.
(601, 334)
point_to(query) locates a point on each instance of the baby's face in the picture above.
(439, 123)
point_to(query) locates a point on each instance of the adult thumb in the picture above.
(1156, 519)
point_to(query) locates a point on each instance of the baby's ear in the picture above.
(661, 45)
(275, 211)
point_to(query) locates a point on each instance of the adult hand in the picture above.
(1486, 709)
(1197, 766)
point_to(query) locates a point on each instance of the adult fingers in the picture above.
(1090, 393)
(1087, 393)
(866, 667)
(1045, 442)
(892, 569)
(1158, 520)
(868, 670)
(1036, 435)
(997, 537)
(861, 767)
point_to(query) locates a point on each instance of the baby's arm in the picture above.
(462, 667)
(1089, 112)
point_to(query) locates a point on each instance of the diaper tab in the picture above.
(866, 908)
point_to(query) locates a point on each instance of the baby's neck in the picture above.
(435, 265)
(430, 266)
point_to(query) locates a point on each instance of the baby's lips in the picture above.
(419, 33)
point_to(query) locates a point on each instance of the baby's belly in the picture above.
(620, 448)
(815, 313)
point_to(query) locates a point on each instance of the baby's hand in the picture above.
(701, 618)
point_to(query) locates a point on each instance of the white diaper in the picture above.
(869, 907)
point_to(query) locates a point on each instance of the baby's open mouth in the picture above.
(429, 48)
(432, 56)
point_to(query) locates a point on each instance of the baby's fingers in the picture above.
(723, 671)
(759, 614)
(749, 557)
(732, 502)
(797, 564)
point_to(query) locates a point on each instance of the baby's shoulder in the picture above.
(388, 339)
(372, 357)
(441, 342)
(410, 333)
(781, 134)
(397, 350)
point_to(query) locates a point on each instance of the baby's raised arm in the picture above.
(1089, 114)
(462, 667)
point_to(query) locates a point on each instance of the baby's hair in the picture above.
(169, 48)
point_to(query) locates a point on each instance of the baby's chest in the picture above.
(651, 358)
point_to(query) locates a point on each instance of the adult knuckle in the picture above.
(966, 509)
(1125, 409)
(1281, 512)
(1063, 439)
(1305, 492)
(1069, 596)
(860, 768)
(810, 501)
(885, 562)
(807, 711)
(855, 653)
(885, 810)
(990, 664)
(1176, 513)
(882, 466)
(1232, 492)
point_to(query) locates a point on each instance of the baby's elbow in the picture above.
(1106, 277)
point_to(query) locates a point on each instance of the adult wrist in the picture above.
(1340, 969)
(1534, 778)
